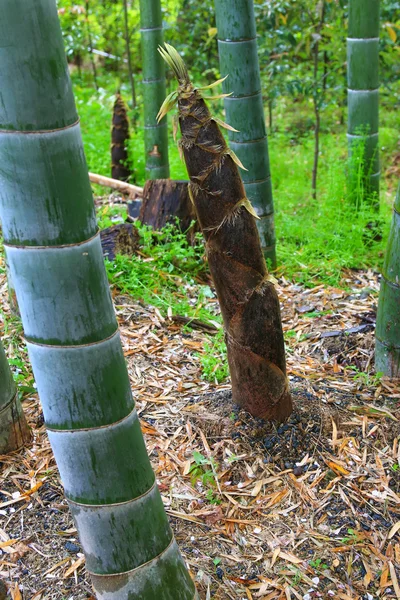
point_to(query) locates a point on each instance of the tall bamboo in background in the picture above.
(127, 35)
(14, 431)
(247, 297)
(154, 90)
(238, 57)
(55, 257)
(363, 90)
(387, 353)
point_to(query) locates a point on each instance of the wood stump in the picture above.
(164, 200)
(119, 239)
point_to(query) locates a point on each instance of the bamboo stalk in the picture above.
(133, 191)
(387, 353)
(128, 53)
(238, 57)
(56, 261)
(247, 297)
(14, 431)
(154, 90)
(363, 90)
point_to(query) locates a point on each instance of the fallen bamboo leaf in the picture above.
(78, 563)
(392, 532)
(395, 581)
(7, 543)
(338, 469)
(15, 592)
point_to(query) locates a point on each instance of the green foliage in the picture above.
(204, 470)
(17, 355)
(213, 359)
(318, 564)
(168, 276)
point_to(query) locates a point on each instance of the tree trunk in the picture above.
(387, 354)
(55, 257)
(363, 92)
(119, 141)
(154, 90)
(14, 431)
(248, 300)
(164, 201)
(238, 56)
(128, 53)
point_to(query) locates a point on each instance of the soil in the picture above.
(306, 509)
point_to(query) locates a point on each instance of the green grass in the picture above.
(316, 239)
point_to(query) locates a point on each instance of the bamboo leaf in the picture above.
(175, 62)
(212, 85)
(167, 105)
(218, 96)
(249, 207)
(235, 159)
(224, 125)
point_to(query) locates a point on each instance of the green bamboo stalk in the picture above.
(387, 352)
(363, 90)
(238, 57)
(14, 431)
(55, 257)
(154, 90)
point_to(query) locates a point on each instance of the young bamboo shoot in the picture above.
(248, 300)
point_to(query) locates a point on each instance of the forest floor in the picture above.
(309, 509)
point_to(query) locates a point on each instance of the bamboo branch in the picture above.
(133, 191)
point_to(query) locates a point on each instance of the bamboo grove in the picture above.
(55, 258)
(56, 263)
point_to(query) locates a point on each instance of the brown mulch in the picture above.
(308, 509)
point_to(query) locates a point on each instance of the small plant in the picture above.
(353, 537)
(200, 470)
(298, 576)
(368, 379)
(395, 467)
(212, 498)
(318, 564)
(213, 360)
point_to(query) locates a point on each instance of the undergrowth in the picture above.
(316, 239)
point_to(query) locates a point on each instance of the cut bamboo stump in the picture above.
(119, 239)
(164, 201)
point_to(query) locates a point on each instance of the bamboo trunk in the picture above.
(154, 90)
(248, 300)
(55, 257)
(387, 353)
(363, 91)
(14, 431)
(238, 56)
(128, 53)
